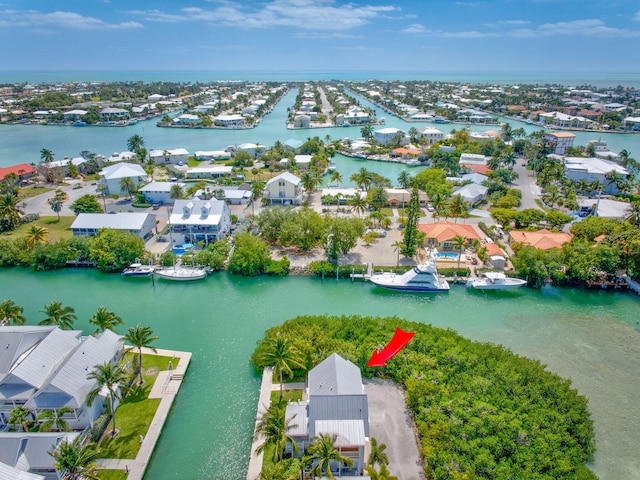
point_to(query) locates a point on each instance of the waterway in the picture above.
(22, 143)
(589, 336)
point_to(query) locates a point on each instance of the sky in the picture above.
(321, 35)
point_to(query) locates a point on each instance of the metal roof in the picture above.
(119, 221)
(123, 170)
(335, 376)
(15, 341)
(348, 432)
(29, 450)
(339, 407)
(12, 473)
(299, 421)
(289, 177)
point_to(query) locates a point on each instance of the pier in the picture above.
(632, 284)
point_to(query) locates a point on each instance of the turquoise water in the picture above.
(446, 255)
(590, 336)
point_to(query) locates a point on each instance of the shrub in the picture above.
(98, 427)
(30, 217)
(278, 268)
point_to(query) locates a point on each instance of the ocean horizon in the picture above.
(595, 79)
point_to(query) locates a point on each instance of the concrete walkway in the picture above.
(166, 388)
(264, 401)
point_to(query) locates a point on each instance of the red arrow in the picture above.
(397, 343)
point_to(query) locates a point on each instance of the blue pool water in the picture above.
(453, 256)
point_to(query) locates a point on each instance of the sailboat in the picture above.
(180, 273)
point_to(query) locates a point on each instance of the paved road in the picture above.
(527, 185)
(390, 423)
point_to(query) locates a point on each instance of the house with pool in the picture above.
(440, 235)
(201, 220)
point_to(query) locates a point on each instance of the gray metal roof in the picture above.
(12, 473)
(338, 407)
(299, 422)
(335, 376)
(119, 221)
(348, 432)
(14, 341)
(29, 450)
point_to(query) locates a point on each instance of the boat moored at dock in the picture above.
(182, 274)
(138, 270)
(495, 281)
(421, 278)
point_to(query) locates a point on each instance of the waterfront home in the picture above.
(472, 159)
(45, 368)
(201, 220)
(601, 149)
(111, 113)
(215, 171)
(253, 149)
(231, 195)
(139, 224)
(590, 169)
(23, 171)
(65, 164)
(336, 404)
(388, 135)
(559, 141)
(230, 121)
(159, 192)
(284, 189)
(212, 155)
(541, 239)
(110, 176)
(74, 115)
(301, 161)
(187, 119)
(631, 123)
(399, 197)
(440, 235)
(116, 157)
(301, 121)
(469, 177)
(431, 135)
(563, 120)
(175, 156)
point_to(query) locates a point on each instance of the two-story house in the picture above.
(284, 189)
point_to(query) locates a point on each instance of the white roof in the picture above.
(113, 110)
(212, 154)
(159, 187)
(122, 170)
(75, 112)
(287, 176)
(342, 191)
(387, 131)
(348, 432)
(119, 157)
(190, 212)
(170, 151)
(594, 165)
(214, 169)
(118, 221)
(302, 159)
(228, 118)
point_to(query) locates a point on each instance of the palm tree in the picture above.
(632, 216)
(135, 143)
(257, 190)
(46, 155)
(273, 427)
(58, 315)
(105, 320)
(76, 459)
(19, 417)
(10, 312)
(140, 337)
(458, 207)
(383, 474)
(363, 178)
(358, 203)
(56, 205)
(10, 212)
(321, 452)
(35, 236)
(404, 179)
(283, 355)
(460, 242)
(377, 454)
(335, 178)
(128, 186)
(367, 132)
(109, 375)
(309, 182)
(176, 192)
(53, 420)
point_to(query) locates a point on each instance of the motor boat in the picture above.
(495, 281)
(138, 270)
(421, 278)
(181, 273)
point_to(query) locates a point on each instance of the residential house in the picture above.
(431, 135)
(302, 161)
(119, 157)
(559, 141)
(399, 197)
(631, 123)
(440, 235)
(139, 224)
(201, 220)
(74, 115)
(187, 119)
(230, 121)
(175, 156)
(388, 135)
(541, 239)
(472, 193)
(590, 169)
(24, 455)
(472, 159)
(212, 155)
(110, 113)
(301, 121)
(159, 192)
(253, 149)
(215, 171)
(284, 189)
(336, 404)
(23, 171)
(110, 176)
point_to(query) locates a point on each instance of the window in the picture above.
(281, 183)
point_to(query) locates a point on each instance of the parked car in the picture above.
(430, 208)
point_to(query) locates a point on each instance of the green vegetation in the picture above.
(30, 192)
(251, 256)
(112, 474)
(58, 229)
(287, 396)
(480, 410)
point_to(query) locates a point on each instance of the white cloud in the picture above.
(581, 28)
(35, 18)
(637, 16)
(421, 30)
(303, 14)
(326, 36)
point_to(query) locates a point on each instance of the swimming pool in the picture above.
(446, 256)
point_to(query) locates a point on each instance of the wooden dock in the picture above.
(604, 283)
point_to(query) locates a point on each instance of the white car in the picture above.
(430, 208)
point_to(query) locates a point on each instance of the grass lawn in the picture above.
(387, 212)
(287, 396)
(28, 192)
(112, 474)
(58, 229)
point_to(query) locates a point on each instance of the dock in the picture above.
(363, 276)
(632, 284)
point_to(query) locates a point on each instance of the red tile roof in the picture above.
(443, 231)
(542, 239)
(20, 170)
(483, 169)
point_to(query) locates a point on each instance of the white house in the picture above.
(559, 141)
(285, 189)
(89, 224)
(387, 135)
(159, 192)
(201, 220)
(212, 155)
(590, 169)
(187, 119)
(472, 159)
(431, 135)
(472, 193)
(631, 123)
(110, 176)
(24, 453)
(336, 405)
(175, 156)
(302, 161)
(111, 113)
(230, 121)
(74, 114)
(208, 172)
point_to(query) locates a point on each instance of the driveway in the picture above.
(390, 423)
(527, 185)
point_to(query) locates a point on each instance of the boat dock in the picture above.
(632, 284)
(363, 276)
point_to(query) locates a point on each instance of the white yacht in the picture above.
(138, 270)
(421, 278)
(495, 281)
(181, 273)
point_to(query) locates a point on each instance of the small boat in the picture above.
(138, 270)
(439, 119)
(421, 278)
(414, 162)
(331, 167)
(495, 281)
(181, 274)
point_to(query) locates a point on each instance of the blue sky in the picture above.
(327, 35)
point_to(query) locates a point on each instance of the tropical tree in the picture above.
(458, 207)
(358, 204)
(176, 192)
(128, 186)
(410, 234)
(367, 132)
(10, 212)
(257, 189)
(404, 179)
(111, 376)
(460, 242)
(377, 197)
(632, 216)
(321, 452)
(46, 155)
(51, 420)
(135, 143)
(309, 181)
(20, 417)
(281, 353)
(140, 337)
(376, 454)
(362, 178)
(56, 204)
(35, 236)
(383, 474)
(273, 427)
(63, 317)
(335, 178)
(105, 320)
(11, 313)
(87, 204)
(76, 459)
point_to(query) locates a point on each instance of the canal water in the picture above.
(589, 336)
